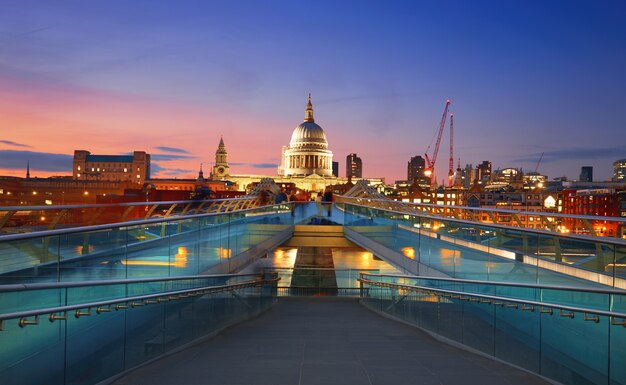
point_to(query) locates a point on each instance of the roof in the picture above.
(307, 134)
(110, 158)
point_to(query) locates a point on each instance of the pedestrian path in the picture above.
(325, 341)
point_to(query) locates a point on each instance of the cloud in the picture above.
(264, 165)
(176, 171)
(10, 143)
(172, 149)
(155, 169)
(166, 157)
(42, 161)
(575, 153)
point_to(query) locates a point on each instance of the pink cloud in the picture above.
(61, 118)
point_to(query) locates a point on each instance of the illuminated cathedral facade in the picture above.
(307, 153)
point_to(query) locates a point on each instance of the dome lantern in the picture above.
(308, 115)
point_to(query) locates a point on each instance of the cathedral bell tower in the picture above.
(220, 169)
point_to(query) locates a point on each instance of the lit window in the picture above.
(78, 168)
(125, 169)
(98, 169)
(78, 175)
(93, 169)
(138, 176)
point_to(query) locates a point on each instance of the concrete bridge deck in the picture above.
(325, 341)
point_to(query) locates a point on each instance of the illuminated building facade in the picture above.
(619, 170)
(527, 203)
(483, 172)
(597, 202)
(114, 168)
(56, 190)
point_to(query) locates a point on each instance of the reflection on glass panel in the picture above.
(72, 347)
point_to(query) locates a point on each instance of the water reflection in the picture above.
(348, 263)
(180, 260)
(408, 252)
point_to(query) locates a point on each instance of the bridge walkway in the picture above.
(325, 341)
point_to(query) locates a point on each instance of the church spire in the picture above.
(201, 174)
(221, 161)
(308, 117)
(28, 169)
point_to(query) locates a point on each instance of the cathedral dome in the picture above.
(308, 152)
(308, 134)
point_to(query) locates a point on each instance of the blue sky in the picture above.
(524, 77)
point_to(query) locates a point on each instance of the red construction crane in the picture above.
(430, 164)
(451, 167)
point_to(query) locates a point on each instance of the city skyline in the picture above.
(524, 79)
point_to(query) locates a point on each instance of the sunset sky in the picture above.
(169, 78)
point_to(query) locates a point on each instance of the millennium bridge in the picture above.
(372, 291)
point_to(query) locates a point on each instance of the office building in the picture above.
(483, 172)
(586, 174)
(354, 166)
(336, 169)
(619, 170)
(415, 171)
(133, 168)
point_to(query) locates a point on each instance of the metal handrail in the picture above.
(535, 213)
(62, 285)
(106, 226)
(510, 284)
(579, 237)
(318, 268)
(124, 204)
(197, 291)
(497, 299)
